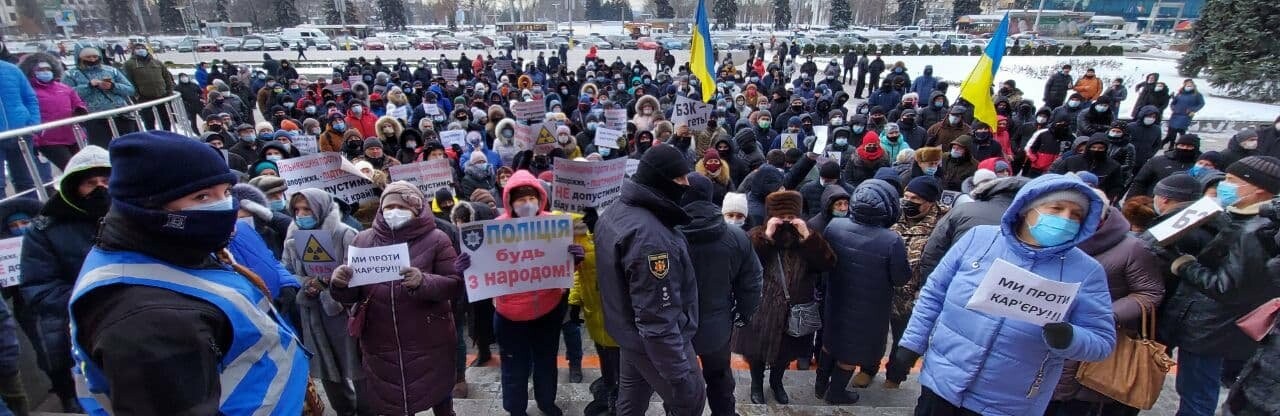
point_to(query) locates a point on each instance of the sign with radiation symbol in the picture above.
(314, 252)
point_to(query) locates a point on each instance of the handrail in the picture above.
(27, 131)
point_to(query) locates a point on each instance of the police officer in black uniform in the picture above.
(650, 294)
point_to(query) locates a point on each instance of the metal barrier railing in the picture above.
(177, 120)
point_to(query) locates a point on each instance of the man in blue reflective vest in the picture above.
(163, 325)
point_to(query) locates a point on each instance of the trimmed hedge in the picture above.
(935, 50)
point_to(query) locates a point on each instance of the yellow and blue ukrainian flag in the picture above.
(701, 61)
(977, 88)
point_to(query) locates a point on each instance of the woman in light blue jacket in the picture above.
(102, 87)
(977, 363)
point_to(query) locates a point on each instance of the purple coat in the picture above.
(57, 101)
(408, 341)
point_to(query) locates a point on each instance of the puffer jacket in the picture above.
(96, 99)
(585, 291)
(729, 275)
(870, 261)
(998, 366)
(1180, 108)
(324, 322)
(19, 105)
(408, 333)
(531, 305)
(991, 200)
(1133, 276)
(1145, 139)
(57, 101)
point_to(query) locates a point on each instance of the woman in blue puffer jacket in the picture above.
(976, 363)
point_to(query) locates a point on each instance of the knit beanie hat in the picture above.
(829, 170)
(734, 202)
(524, 191)
(483, 196)
(700, 189)
(139, 187)
(1179, 187)
(1189, 138)
(659, 166)
(269, 184)
(263, 166)
(783, 203)
(1260, 171)
(1210, 178)
(1213, 157)
(477, 157)
(372, 142)
(1068, 195)
(926, 187)
(443, 194)
(403, 193)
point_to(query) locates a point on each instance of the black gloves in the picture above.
(1058, 334)
(906, 357)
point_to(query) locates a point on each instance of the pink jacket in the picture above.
(57, 101)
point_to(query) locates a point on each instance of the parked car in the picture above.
(374, 44)
(1132, 45)
(399, 43)
(252, 43)
(502, 42)
(475, 44)
(425, 44)
(445, 42)
(646, 44)
(1104, 34)
(346, 43)
(207, 45)
(228, 44)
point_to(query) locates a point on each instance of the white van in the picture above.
(313, 36)
(1105, 34)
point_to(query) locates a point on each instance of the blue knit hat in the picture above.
(152, 168)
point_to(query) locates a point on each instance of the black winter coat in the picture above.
(729, 275)
(991, 199)
(870, 261)
(1232, 271)
(1055, 90)
(1158, 168)
(1145, 139)
(52, 252)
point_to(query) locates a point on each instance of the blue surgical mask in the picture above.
(339, 127)
(225, 204)
(857, 128)
(842, 142)
(839, 214)
(44, 76)
(19, 230)
(277, 205)
(1052, 230)
(605, 151)
(957, 153)
(1227, 193)
(1195, 171)
(932, 170)
(306, 222)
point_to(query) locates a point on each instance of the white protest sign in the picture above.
(789, 140)
(517, 255)
(607, 137)
(353, 79)
(632, 166)
(306, 144)
(540, 137)
(535, 110)
(820, 143)
(431, 109)
(1190, 217)
(1009, 291)
(836, 156)
(429, 176)
(10, 261)
(692, 113)
(580, 185)
(615, 119)
(316, 252)
(377, 264)
(452, 137)
(449, 74)
(328, 171)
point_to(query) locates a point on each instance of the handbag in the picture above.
(1134, 373)
(355, 322)
(803, 319)
(1257, 323)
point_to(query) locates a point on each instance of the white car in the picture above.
(1132, 45)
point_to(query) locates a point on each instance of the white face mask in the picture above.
(396, 217)
(1042, 119)
(1249, 144)
(737, 222)
(1149, 121)
(526, 210)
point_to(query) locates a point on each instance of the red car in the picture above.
(207, 45)
(372, 44)
(647, 44)
(424, 44)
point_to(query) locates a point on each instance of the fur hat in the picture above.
(928, 154)
(783, 203)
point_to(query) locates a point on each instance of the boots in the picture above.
(461, 390)
(757, 382)
(775, 384)
(575, 372)
(825, 364)
(482, 357)
(836, 393)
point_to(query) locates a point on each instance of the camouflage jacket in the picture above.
(914, 235)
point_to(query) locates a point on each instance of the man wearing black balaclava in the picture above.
(650, 294)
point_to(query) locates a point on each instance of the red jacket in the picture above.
(364, 124)
(526, 306)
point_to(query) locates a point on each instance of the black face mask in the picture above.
(1098, 155)
(1183, 155)
(97, 202)
(910, 208)
(982, 136)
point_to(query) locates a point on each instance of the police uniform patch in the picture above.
(659, 264)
